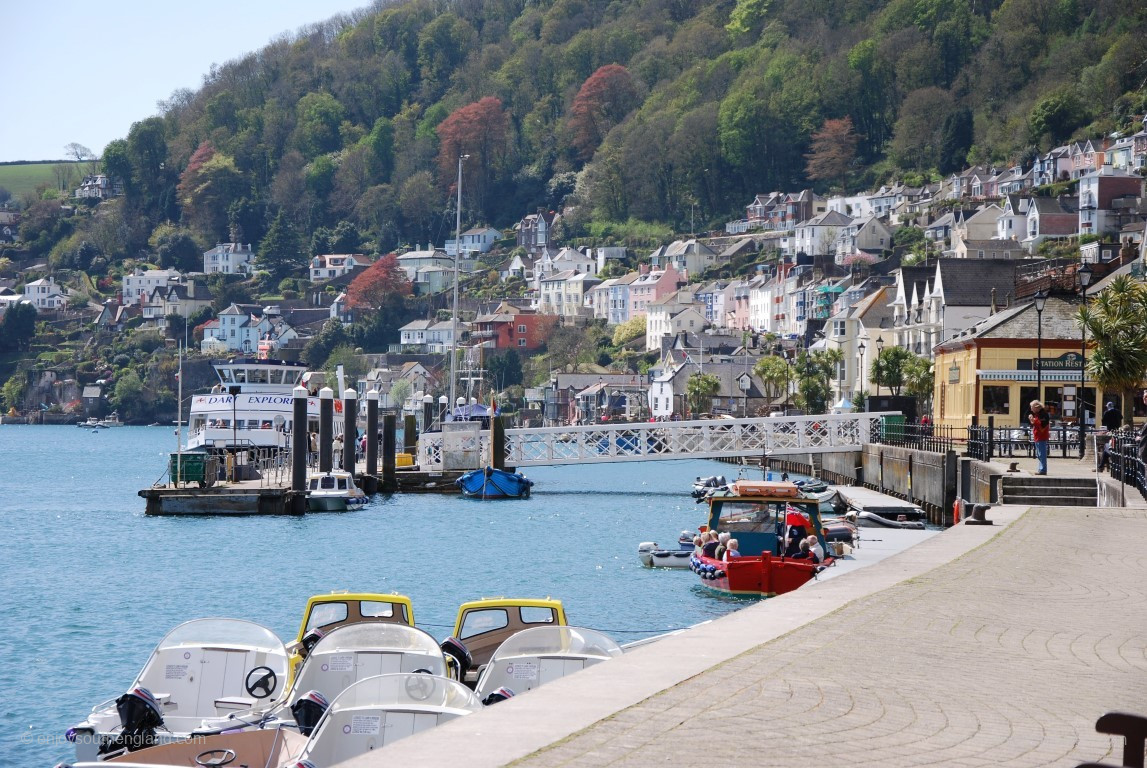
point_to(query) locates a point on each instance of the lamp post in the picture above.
(860, 348)
(1084, 281)
(1040, 300)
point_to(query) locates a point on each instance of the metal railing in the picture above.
(977, 441)
(1125, 459)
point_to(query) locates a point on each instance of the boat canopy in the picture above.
(558, 641)
(408, 690)
(377, 634)
(228, 633)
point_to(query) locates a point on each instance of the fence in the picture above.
(1125, 460)
(978, 441)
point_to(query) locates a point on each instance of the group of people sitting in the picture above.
(718, 546)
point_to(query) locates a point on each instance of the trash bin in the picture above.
(195, 467)
(892, 428)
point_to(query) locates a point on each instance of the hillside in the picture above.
(21, 179)
(651, 111)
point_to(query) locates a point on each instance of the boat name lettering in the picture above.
(269, 400)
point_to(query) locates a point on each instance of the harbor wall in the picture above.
(926, 478)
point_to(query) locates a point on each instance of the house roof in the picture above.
(973, 287)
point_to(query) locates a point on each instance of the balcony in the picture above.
(483, 334)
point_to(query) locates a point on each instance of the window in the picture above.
(521, 342)
(521, 329)
(838, 328)
(326, 613)
(480, 621)
(996, 400)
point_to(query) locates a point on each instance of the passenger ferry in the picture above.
(259, 414)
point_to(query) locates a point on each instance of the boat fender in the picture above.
(720, 574)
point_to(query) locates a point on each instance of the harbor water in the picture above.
(90, 584)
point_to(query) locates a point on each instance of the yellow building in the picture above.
(998, 366)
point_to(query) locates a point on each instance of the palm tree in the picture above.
(777, 376)
(701, 389)
(1116, 324)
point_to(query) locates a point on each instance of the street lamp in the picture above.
(1084, 281)
(860, 348)
(1040, 300)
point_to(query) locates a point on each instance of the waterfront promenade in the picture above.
(991, 645)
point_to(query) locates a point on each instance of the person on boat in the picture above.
(815, 549)
(731, 550)
(698, 545)
(709, 548)
(784, 477)
(722, 545)
(802, 552)
(1041, 434)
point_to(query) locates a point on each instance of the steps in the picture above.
(1042, 491)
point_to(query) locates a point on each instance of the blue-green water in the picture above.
(90, 584)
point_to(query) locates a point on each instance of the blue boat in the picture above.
(490, 483)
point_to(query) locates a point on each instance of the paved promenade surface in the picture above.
(982, 646)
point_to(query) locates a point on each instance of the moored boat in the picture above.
(333, 491)
(653, 556)
(540, 655)
(762, 516)
(490, 483)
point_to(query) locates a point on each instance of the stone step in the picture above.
(1048, 501)
(1041, 481)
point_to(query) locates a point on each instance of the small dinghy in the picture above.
(703, 486)
(868, 519)
(490, 483)
(653, 556)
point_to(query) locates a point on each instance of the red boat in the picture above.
(762, 516)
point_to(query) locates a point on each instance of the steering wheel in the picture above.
(260, 683)
(213, 758)
(417, 687)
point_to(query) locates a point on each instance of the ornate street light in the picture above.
(1040, 301)
(1084, 281)
(879, 350)
(860, 349)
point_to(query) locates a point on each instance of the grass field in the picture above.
(19, 178)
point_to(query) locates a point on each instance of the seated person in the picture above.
(731, 550)
(722, 545)
(709, 548)
(698, 542)
(815, 549)
(802, 553)
(796, 535)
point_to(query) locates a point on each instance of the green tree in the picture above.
(18, 327)
(815, 373)
(1116, 325)
(777, 376)
(319, 117)
(175, 248)
(127, 398)
(631, 329)
(209, 185)
(700, 391)
(400, 389)
(353, 363)
(506, 369)
(281, 253)
(889, 368)
(919, 380)
(13, 391)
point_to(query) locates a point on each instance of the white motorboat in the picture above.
(204, 668)
(333, 491)
(366, 715)
(540, 655)
(653, 556)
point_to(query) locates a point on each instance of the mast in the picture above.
(457, 258)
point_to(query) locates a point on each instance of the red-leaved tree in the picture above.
(477, 130)
(382, 278)
(603, 101)
(833, 150)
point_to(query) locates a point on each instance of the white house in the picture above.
(476, 240)
(140, 284)
(564, 293)
(247, 328)
(332, 265)
(671, 314)
(818, 235)
(435, 337)
(45, 295)
(687, 256)
(229, 258)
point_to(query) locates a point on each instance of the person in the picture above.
(314, 441)
(709, 548)
(802, 553)
(337, 451)
(784, 477)
(698, 545)
(815, 549)
(1041, 434)
(1111, 420)
(722, 545)
(732, 550)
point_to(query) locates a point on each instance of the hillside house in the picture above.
(229, 259)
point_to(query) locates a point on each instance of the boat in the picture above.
(873, 519)
(703, 486)
(252, 406)
(652, 556)
(111, 420)
(490, 483)
(205, 668)
(812, 485)
(368, 714)
(483, 625)
(875, 510)
(333, 491)
(534, 657)
(91, 423)
(761, 515)
(324, 613)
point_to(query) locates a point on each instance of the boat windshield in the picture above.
(407, 689)
(750, 515)
(225, 633)
(545, 641)
(375, 634)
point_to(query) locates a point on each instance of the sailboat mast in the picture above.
(454, 313)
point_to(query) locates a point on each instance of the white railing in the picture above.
(660, 441)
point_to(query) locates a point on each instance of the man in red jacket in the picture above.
(1041, 434)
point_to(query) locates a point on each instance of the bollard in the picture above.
(326, 428)
(497, 443)
(372, 432)
(300, 444)
(350, 430)
(409, 434)
(389, 479)
(978, 515)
